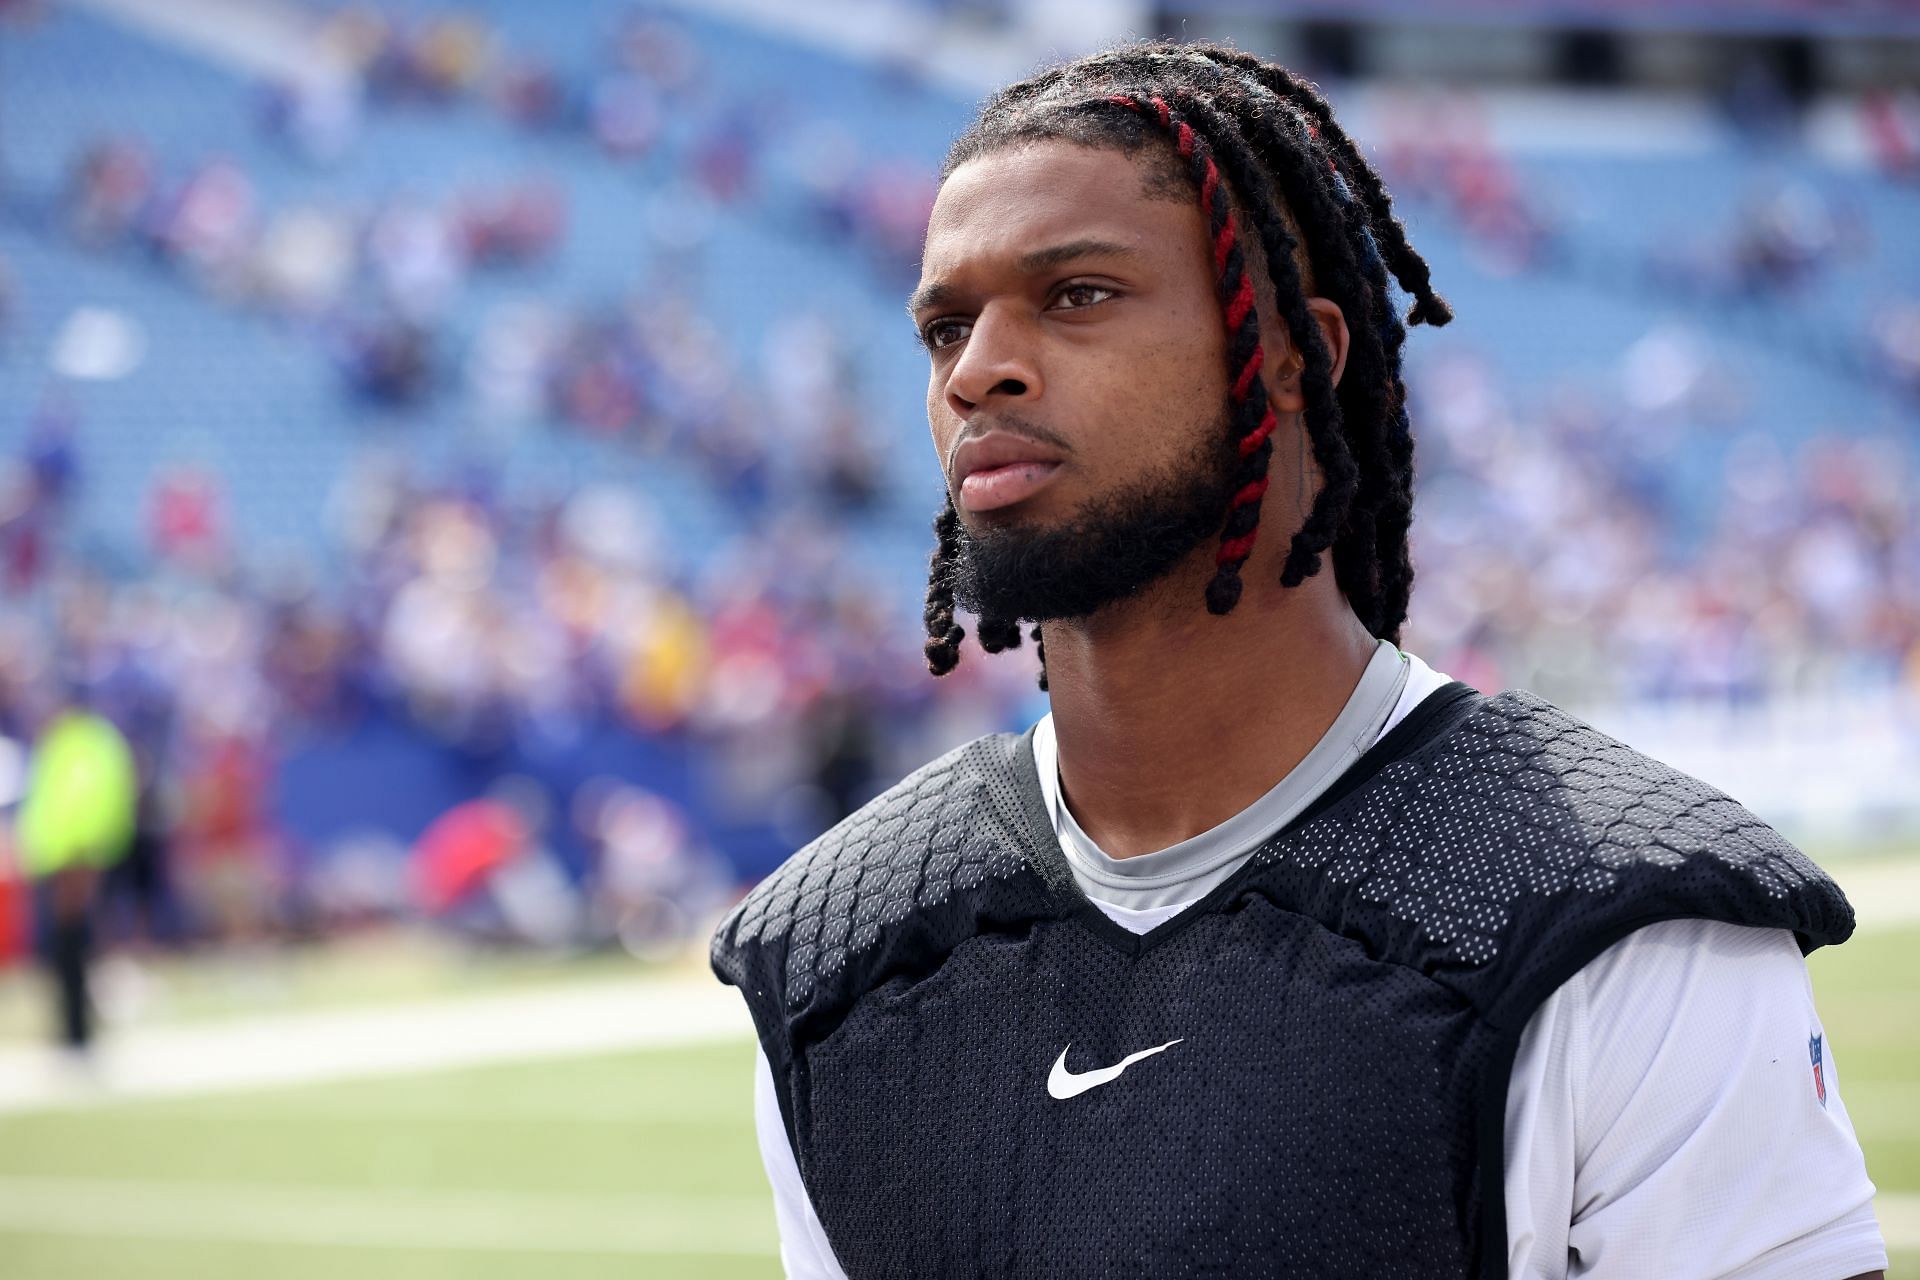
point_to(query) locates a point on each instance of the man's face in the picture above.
(1075, 339)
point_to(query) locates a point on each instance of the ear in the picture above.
(1282, 366)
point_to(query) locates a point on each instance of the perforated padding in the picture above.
(941, 830)
(1342, 1013)
(1521, 807)
(1525, 815)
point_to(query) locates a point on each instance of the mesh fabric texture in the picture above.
(1347, 1005)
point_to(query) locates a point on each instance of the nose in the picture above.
(1000, 360)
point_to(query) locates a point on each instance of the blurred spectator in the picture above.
(1440, 148)
(513, 226)
(51, 456)
(389, 361)
(532, 95)
(33, 493)
(1546, 561)
(108, 191)
(1784, 235)
(318, 117)
(483, 867)
(1895, 337)
(653, 885)
(625, 116)
(9, 308)
(206, 224)
(1892, 119)
(304, 262)
(414, 252)
(184, 518)
(224, 842)
(142, 912)
(494, 620)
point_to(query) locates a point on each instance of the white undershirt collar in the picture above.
(1191, 868)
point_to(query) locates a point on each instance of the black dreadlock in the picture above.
(1241, 131)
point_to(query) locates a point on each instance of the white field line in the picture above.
(1899, 1214)
(478, 1221)
(1884, 894)
(293, 1049)
(387, 1218)
(588, 1108)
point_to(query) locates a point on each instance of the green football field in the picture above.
(615, 1165)
(624, 1165)
(1868, 993)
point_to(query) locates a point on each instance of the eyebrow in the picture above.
(938, 294)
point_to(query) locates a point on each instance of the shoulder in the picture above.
(914, 842)
(1690, 985)
(1689, 1054)
(1684, 982)
(1692, 1026)
(1520, 842)
(1587, 811)
(1534, 745)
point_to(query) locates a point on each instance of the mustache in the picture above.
(1012, 424)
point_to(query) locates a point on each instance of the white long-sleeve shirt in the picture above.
(1663, 1115)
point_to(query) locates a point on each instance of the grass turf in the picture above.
(390, 967)
(614, 1165)
(1868, 993)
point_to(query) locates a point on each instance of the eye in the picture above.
(1076, 296)
(943, 333)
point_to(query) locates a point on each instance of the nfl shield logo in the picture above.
(1819, 1080)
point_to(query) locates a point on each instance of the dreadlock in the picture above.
(943, 633)
(1262, 150)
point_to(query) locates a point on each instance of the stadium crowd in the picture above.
(1554, 552)
(1558, 545)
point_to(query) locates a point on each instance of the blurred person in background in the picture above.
(76, 820)
(484, 870)
(108, 191)
(224, 842)
(1555, 553)
(653, 884)
(8, 308)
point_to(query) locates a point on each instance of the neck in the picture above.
(1170, 720)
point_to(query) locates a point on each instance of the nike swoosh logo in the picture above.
(1062, 1083)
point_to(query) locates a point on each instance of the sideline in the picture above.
(582, 1017)
(309, 1048)
(1899, 1214)
(1885, 892)
(406, 1218)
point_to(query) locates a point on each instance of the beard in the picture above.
(1110, 549)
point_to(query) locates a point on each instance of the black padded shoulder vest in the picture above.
(1333, 1029)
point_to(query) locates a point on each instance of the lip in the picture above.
(998, 470)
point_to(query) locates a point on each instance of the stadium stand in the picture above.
(541, 408)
